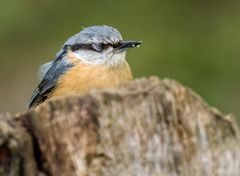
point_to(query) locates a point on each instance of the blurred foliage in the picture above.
(195, 42)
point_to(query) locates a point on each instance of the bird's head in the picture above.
(99, 45)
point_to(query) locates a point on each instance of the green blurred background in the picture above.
(195, 42)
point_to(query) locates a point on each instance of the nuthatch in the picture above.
(92, 58)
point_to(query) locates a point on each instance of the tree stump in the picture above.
(148, 127)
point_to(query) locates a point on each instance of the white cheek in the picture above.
(88, 57)
(105, 58)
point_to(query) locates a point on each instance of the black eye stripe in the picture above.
(116, 45)
(80, 46)
(93, 46)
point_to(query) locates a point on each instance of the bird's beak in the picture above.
(124, 45)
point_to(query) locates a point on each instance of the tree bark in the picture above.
(146, 127)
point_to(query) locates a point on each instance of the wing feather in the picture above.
(48, 83)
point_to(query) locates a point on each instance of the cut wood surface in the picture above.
(148, 127)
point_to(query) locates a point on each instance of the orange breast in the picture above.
(84, 77)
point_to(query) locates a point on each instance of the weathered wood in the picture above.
(147, 127)
(16, 149)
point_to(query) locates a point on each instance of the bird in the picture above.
(94, 58)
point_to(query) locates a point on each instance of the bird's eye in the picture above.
(96, 47)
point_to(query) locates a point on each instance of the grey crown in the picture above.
(94, 34)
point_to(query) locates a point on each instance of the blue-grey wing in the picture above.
(49, 81)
